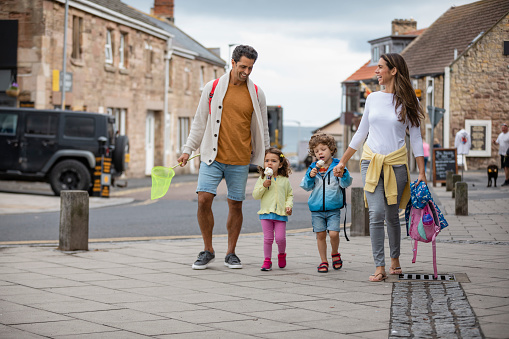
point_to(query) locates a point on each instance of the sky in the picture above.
(305, 48)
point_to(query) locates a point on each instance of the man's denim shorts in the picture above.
(326, 221)
(235, 176)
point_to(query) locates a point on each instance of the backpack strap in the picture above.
(346, 209)
(214, 85)
(415, 251)
(434, 245)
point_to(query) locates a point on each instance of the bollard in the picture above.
(455, 178)
(448, 181)
(461, 200)
(360, 216)
(73, 221)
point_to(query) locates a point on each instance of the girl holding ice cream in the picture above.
(275, 192)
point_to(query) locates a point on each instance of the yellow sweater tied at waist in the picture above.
(379, 161)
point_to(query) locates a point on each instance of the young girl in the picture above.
(275, 192)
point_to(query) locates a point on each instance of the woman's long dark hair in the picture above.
(404, 94)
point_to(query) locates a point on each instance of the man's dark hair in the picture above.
(244, 50)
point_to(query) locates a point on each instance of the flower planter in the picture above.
(12, 92)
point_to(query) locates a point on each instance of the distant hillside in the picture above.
(291, 136)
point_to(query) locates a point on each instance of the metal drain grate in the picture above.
(420, 276)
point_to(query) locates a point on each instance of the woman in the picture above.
(384, 167)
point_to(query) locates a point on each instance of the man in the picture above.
(503, 142)
(231, 133)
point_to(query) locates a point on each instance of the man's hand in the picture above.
(313, 172)
(289, 210)
(339, 170)
(182, 160)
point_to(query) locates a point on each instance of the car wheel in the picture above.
(120, 156)
(69, 175)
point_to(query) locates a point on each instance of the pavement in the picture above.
(147, 289)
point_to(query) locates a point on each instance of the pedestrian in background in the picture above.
(503, 149)
(275, 193)
(425, 149)
(387, 115)
(230, 128)
(326, 199)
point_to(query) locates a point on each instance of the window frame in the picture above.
(108, 47)
(122, 51)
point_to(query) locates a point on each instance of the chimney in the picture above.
(402, 26)
(164, 9)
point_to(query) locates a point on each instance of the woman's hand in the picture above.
(422, 177)
(289, 210)
(339, 170)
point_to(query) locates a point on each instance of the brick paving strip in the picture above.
(422, 309)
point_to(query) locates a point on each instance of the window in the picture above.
(77, 31)
(122, 51)
(170, 70)
(120, 118)
(202, 76)
(187, 77)
(79, 127)
(215, 74)
(108, 48)
(41, 124)
(375, 54)
(430, 91)
(8, 123)
(183, 132)
(387, 49)
(149, 55)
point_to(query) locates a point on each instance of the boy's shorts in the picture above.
(235, 176)
(326, 221)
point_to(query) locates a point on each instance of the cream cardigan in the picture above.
(205, 127)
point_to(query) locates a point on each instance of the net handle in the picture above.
(177, 165)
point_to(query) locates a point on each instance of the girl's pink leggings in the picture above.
(271, 227)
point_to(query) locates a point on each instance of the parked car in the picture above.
(59, 147)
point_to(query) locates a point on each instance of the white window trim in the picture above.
(108, 48)
(121, 62)
(430, 91)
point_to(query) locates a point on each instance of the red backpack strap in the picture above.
(214, 85)
(256, 88)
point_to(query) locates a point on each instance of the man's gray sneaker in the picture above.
(232, 261)
(204, 258)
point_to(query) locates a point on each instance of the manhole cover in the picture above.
(422, 276)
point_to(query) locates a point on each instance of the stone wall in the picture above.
(98, 85)
(479, 87)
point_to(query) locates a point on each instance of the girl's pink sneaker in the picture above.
(267, 265)
(281, 260)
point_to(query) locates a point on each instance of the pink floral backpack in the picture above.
(424, 220)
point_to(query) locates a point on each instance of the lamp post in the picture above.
(64, 56)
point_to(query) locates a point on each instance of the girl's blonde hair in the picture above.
(284, 170)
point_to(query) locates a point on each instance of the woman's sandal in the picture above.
(378, 277)
(323, 267)
(395, 270)
(337, 263)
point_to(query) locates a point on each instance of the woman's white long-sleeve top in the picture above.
(380, 124)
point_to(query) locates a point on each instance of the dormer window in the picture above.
(376, 54)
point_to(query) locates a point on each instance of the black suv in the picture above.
(65, 148)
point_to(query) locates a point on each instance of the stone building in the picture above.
(123, 62)
(462, 68)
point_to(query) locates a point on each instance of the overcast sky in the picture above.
(305, 48)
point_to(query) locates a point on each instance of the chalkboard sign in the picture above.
(444, 159)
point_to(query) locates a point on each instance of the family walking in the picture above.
(231, 129)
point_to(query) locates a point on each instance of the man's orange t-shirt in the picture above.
(234, 140)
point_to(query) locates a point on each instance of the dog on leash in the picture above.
(492, 174)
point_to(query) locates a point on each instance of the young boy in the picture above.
(326, 197)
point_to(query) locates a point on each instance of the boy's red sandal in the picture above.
(323, 267)
(337, 263)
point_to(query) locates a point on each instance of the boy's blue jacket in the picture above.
(326, 194)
